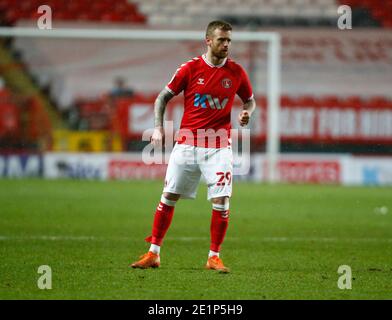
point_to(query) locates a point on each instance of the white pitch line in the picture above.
(323, 239)
(289, 239)
(261, 239)
(50, 238)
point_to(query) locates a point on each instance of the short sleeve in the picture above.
(245, 91)
(179, 80)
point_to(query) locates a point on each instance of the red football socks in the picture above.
(219, 224)
(162, 220)
(164, 215)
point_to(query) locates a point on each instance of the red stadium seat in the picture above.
(306, 101)
(100, 7)
(287, 101)
(67, 16)
(330, 101)
(352, 102)
(4, 95)
(104, 10)
(39, 124)
(11, 16)
(377, 102)
(9, 120)
(111, 17)
(3, 4)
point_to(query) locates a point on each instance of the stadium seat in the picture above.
(352, 102)
(287, 101)
(306, 101)
(377, 102)
(38, 124)
(4, 95)
(329, 101)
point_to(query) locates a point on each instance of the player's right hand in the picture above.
(157, 137)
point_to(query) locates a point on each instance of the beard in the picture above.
(220, 53)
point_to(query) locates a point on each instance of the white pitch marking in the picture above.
(261, 239)
(51, 238)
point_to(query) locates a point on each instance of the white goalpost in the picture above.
(273, 64)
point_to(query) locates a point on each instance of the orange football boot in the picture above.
(148, 260)
(214, 263)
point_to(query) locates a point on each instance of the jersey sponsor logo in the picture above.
(214, 103)
(226, 83)
(200, 81)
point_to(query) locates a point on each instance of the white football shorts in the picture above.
(187, 164)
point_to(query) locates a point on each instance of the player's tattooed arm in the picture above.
(247, 110)
(159, 112)
(160, 106)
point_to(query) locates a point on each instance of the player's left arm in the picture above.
(246, 112)
(245, 93)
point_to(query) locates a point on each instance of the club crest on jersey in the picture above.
(214, 103)
(226, 83)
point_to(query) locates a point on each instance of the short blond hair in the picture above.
(218, 24)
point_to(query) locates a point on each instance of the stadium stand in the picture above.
(255, 12)
(189, 12)
(320, 55)
(80, 10)
(265, 12)
(24, 123)
(379, 10)
(10, 121)
(343, 67)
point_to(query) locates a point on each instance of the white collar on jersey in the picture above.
(213, 65)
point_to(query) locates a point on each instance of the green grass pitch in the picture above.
(283, 242)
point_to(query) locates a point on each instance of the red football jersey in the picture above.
(209, 92)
